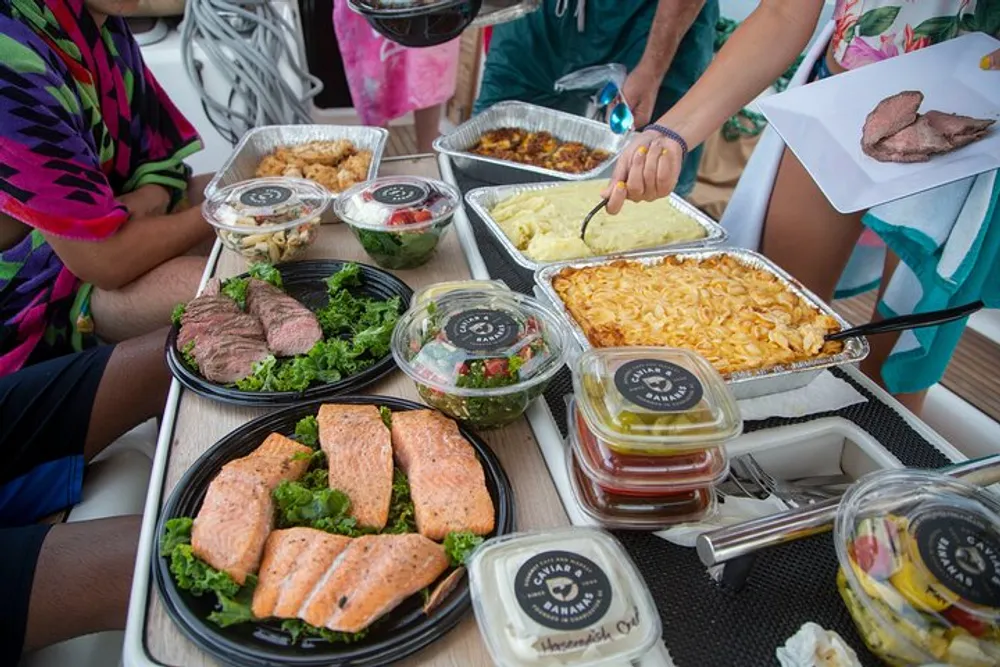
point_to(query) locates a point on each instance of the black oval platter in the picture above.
(404, 631)
(303, 281)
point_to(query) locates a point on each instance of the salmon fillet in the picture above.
(373, 575)
(447, 483)
(294, 560)
(359, 451)
(238, 512)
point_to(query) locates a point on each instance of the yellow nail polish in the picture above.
(984, 63)
(620, 185)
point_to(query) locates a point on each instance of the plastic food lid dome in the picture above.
(651, 398)
(466, 342)
(397, 203)
(920, 567)
(266, 204)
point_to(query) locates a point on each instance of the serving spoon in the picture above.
(586, 220)
(912, 321)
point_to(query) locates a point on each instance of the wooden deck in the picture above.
(402, 141)
(974, 372)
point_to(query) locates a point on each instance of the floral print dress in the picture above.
(868, 31)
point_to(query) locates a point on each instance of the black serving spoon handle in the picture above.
(913, 321)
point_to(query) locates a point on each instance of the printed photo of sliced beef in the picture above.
(290, 327)
(890, 116)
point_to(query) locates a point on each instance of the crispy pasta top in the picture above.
(738, 317)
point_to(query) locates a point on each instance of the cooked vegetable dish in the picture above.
(539, 149)
(276, 540)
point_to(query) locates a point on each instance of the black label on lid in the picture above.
(482, 329)
(658, 385)
(399, 194)
(962, 552)
(266, 195)
(562, 590)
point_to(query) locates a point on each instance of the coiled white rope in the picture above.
(246, 42)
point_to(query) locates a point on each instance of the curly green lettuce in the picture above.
(236, 288)
(321, 508)
(459, 546)
(402, 517)
(307, 431)
(178, 313)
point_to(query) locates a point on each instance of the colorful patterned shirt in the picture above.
(868, 31)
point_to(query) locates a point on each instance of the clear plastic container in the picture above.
(642, 475)
(638, 512)
(920, 568)
(654, 400)
(437, 289)
(399, 220)
(267, 219)
(569, 596)
(480, 357)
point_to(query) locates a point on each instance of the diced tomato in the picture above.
(874, 558)
(422, 215)
(461, 368)
(404, 217)
(531, 325)
(495, 367)
(366, 195)
(962, 618)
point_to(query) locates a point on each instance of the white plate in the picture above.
(821, 122)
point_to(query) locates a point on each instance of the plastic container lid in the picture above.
(561, 597)
(437, 289)
(479, 343)
(640, 512)
(920, 567)
(654, 400)
(397, 203)
(629, 474)
(388, 7)
(266, 204)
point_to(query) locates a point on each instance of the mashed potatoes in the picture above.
(545, 224)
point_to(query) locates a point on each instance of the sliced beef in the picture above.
(959, 130)
(212, 287)
(917, 140)
(226, 358)
(890, 116)
(243, 325)
(290, 327)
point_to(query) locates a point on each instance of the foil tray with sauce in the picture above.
(563, 126)
(262, 141)
(481, 200)
(744, 384)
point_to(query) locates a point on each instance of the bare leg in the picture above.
(803, 234)
(82, 580)
(881, 346)
(428, 125)
(132, 390)
(196, 197)
(146, 303)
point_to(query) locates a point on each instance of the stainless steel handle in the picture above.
(725, 544)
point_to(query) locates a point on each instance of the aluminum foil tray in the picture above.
(481, 200)
(563, 126)
(259, 142)
(745, 384)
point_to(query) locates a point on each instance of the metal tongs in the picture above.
(913, 321)
(593, 212)
(728, 544)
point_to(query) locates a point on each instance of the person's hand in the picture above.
(647, 170)
(148, 200)
(640, 91)
(991, 61)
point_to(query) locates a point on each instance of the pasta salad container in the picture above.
(480, 357)
(919, 557)
(267, 219)
(399, 220)
(571, 596)
(654, 401)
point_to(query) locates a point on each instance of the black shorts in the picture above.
(44, 416)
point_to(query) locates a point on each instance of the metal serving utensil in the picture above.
(742, 539)
(586, 220)
(913, 321)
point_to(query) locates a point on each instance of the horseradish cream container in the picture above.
(564, 597)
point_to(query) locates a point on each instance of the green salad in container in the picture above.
(480, 357)
(399, 220)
